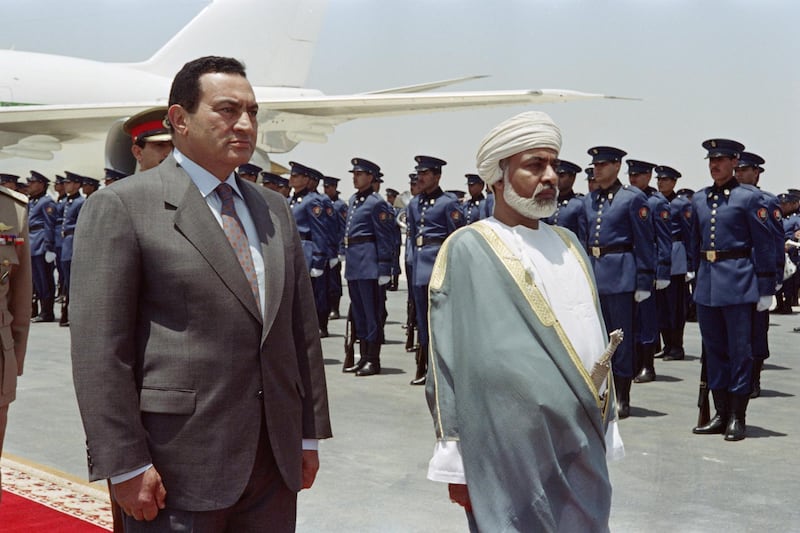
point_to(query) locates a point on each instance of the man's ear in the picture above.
(136, 150)
(178, 122)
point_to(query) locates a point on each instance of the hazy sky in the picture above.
(703, 69)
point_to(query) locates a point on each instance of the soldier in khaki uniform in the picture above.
(15, 296)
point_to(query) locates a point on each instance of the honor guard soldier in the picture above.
(488, 205)
(748, 172)
(791, 225)
(639, 174)
(249, 172)
(734, 250)
(152, 140)
(330, 184)
(41, 226)
(313, 214)
(15, 296)
(72, 186)
(391, 199)
(112, 175)
(9, 181)
(619, 236)
(432, 216)
(474, 208)
(275, 183)
(411, 309)
(591, 185)
(672, 302)
(89, 186)
(369, 253)
(569, 209)
(61, 203)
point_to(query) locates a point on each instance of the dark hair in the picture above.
(185, 90)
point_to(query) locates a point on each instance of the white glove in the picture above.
(764, 303)
(640, 296)
(315, 272)
(383, 280)
(689, 276)
(778, 287)
(341, 258)
(662, 284)
(50, 257)
(333, 261)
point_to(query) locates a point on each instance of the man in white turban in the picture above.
(523, 430)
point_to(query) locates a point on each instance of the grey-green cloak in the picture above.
(505, 381)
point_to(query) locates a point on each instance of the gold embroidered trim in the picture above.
(535, 298)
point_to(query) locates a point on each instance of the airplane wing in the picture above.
(422, 87)
(288, 121)
(36, 131)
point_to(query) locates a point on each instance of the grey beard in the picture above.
(528, 207)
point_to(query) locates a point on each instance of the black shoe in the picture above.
(369, 369)
(323, 333)
(334, 315)
(623, 410)
(418, 381)
(356, 367)
(735, 430)
(715, 427)
(677, 354)
(645, 376)
(64, 323)
(43, 318)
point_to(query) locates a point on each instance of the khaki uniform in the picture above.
(15, 296)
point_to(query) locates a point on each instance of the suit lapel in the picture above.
(269, 235)
(194, 220)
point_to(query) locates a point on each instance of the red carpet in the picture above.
(18, 514)
(36, 500)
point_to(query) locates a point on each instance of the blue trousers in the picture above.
(66, 268)
(618, 314)
(760, 334)
(43, 281)
(421, 303)
(366, 304)
(727, 334)
(671, 304)
(320, 288)
(647, 321)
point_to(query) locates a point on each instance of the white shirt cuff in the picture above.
(446, 464)
(130, 475)
(310, 444)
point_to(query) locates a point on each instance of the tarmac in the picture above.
(372, 476)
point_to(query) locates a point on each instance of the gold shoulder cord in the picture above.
(535, 298)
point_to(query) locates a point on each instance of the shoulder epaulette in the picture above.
(19, 197)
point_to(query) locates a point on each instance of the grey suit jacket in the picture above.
(172, 362)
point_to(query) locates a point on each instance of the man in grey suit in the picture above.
(195, 349)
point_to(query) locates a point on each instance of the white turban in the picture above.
(532, 129)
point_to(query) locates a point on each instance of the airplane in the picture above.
(90, 100)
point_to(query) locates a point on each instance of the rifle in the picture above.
(411, 324)
(704, 415)
(349, 340)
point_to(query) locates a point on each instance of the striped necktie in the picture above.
(232, 226)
